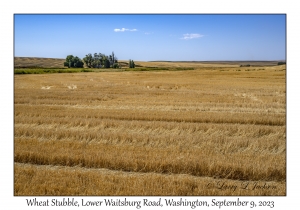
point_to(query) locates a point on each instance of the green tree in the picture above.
(73, 62)
(77, 62)
(68, 63)
(106, 63)
(113, 59)
(131, 64)
(88, 60)
(96, 63)
(116, 66)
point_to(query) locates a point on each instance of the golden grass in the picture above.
(196, 161)
(39, 62)
(212, 124)
(33, 180)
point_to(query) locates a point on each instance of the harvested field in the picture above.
(191, 132)
(25, 62)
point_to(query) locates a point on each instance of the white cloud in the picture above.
(120, 30)
(191, 36)
(124, 29)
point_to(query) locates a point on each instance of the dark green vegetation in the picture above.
(73, 62)
(281, 63)
(131, 64)
(101, 63)
(101, 60)
(49, 70)
(77, 70)
(160, 69)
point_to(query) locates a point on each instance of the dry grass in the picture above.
(173, 132)
(39, 62)
(33, 180)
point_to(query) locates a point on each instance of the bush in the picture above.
(86, 70)
(66, 64)
(116, 66)
(281, 63)
(73, 62)
(131, 64)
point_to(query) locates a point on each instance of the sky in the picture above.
(141, 37)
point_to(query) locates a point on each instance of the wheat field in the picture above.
(38, 62)
(215, 130)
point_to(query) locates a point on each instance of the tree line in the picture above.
(98, 60)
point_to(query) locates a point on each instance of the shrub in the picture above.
(131, 64)
(281, 63)
(116, 66)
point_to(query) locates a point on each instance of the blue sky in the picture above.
(190, 37)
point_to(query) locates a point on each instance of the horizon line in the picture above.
(176, 60)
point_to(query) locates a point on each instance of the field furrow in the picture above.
(172, 132)
(33, 180)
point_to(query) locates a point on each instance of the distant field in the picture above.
(25, 62)
(21, 62)
(185, 132)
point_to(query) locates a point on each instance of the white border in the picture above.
(9, 8)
